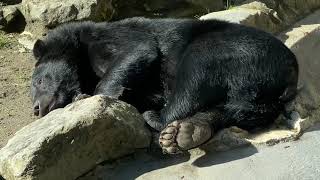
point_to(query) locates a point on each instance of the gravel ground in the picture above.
(15, 72)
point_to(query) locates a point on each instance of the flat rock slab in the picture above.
(304, 40)
(270, 15)
(51, 13)
(70, 141)
(254, 14)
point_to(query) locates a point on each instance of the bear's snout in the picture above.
(43, 106)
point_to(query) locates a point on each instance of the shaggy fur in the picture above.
(169, 68)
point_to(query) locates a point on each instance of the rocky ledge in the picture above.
(70, 141)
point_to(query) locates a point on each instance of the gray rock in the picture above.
(270, 15)
(50, 13)
(27, 40)
(254, 14)
(70, 141)
(262, 17)
(10, 2)
(227, 139)
(303, 40)
(292, 10)
(161, 8)
(10, 12)
(11, 19)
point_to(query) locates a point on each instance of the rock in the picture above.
(226, 139)
(273, 136)
(270, 15)
(10, 12)
(11, 19)
(292, 10)
(51, 13)
(10, 2)
(46, 14)
(27, 40)
(303, 40)
(160, 8)
(22, 50)
(70, 141)
(299, 124)
(255, 14)
(233, 137)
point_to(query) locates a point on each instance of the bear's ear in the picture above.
(39, 49)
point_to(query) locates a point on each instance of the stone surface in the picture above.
(70, 141)
(10, 12)
(27, 40)
(10, 2)
(303, 39)
(297, 160)
(270, 15)
(50, 13)
(254, 14)
(11, 19)
(290, 11)
(161, 8)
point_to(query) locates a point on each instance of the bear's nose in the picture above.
(36, 108)
(44, 105)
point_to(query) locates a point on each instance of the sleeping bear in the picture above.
(188, 78)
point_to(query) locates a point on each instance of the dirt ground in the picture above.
(15, 73)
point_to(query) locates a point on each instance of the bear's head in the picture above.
(55, 78)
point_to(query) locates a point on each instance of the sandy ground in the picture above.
(15, 72)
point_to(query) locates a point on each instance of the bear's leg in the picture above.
(244, 111)
(259, 116)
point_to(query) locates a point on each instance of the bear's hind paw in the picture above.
(181, 136)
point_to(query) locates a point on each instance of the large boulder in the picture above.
(10, 2)
(11, 19)
(70, 141)
(270, 15)
(50, 13)
(161, 8)
(289, 11)
(303, 40)
(254, 14)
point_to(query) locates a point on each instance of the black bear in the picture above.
(188, 77)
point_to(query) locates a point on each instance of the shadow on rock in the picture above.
(214, 158)
(315, 127)
(134, 166)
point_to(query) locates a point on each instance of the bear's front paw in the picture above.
(180, 136)
(80, 96)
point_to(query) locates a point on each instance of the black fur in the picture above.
(169, 68)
